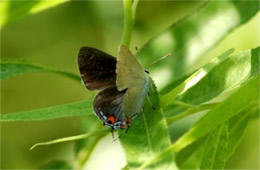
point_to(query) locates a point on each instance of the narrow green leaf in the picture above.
(189, 157)
(14, 10)
(147, 136)
(237, 128)
(190, 38)
(245, 97)
(11, 68)
(71, 138)
(83, 108)
(214, 155)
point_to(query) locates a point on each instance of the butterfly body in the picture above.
(123, 84)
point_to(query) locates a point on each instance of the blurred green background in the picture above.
(53, 37)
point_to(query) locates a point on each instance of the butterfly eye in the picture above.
(146, 71)
(111, 119)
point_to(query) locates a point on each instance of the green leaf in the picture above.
(71, 138)
(193, 79)
(190, 38)
(11, 68)
(226, 76)
(245, 97)
(83, 108)
(14, 10)
(147, 136)
(190, 157)
(222, 78)
(214, 155)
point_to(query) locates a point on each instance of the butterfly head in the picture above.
(146, 71)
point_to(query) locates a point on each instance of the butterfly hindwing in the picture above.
(109, 103)
(97, 69)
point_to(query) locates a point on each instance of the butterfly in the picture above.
(123, 84)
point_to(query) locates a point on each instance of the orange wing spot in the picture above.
(111, 119)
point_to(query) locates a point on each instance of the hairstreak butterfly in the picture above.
(123, 84)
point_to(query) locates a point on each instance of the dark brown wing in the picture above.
(97, 69)
(109, 102)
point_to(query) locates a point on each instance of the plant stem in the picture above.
(129, 17)
(191, 111)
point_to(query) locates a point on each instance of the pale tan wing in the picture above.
(129, 71)
(134, 98)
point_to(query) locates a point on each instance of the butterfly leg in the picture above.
(127, 128)
(112, 132)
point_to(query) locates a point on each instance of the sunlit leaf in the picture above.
(215, 151)
(224, 77)
(190, 38)
(83, 108)
(11, 68)
(194, 79)
(14, 10)
(147, 136)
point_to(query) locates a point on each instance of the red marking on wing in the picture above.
(111, 119)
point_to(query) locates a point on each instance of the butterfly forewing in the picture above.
(131, 76)
(129, 70)
(97, 69)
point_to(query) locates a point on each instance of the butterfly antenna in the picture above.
(159, 59)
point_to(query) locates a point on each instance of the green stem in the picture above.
(183, 104)
(129, 17)
(134, 7)
(191, 111)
